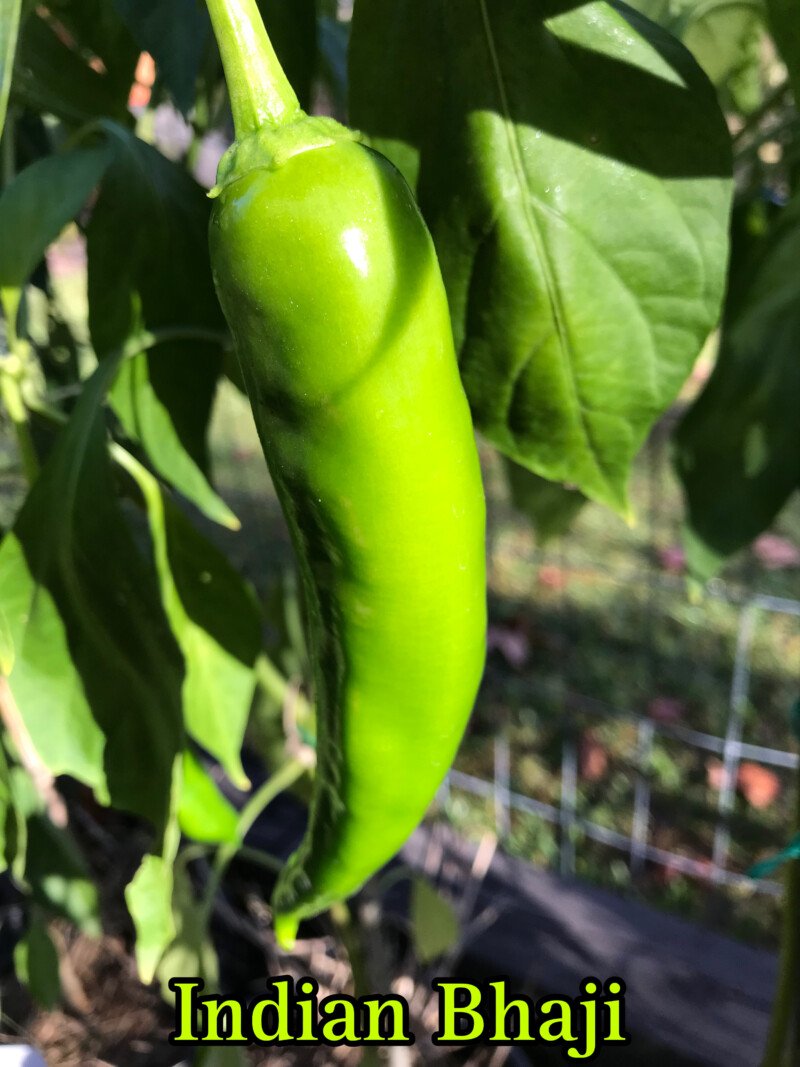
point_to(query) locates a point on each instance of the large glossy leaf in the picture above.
(575, 173)
(149, 267)
(738, 448)
(175, 33)
(10, 11)
(35, 208)
(216, 621)
(90, 637)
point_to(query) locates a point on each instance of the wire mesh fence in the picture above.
(636, 845)
(734, 604)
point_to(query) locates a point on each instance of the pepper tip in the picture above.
(286, 931)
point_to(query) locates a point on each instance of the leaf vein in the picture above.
(553, 295)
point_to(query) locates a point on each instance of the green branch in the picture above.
(277, 783)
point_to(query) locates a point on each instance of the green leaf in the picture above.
(98, 28)
(10, 11)
(22, 801)
(148, 895)
(721, 39)
(36, 962)
(27, 800)
(6, 645)
(215, 620)
(392, 45)
(550, 507)
(737, 450)
(175, 33)
(36, 207)
(58, 877)
(784, 22)
(718, 33)
(434, 924)
(148, 267)
(45, 683)
(149, 900)
(192, 951)
(51, 76)
(152, 421)
(222, 1056)
(575, 173)
(205, 814)
(71, 558)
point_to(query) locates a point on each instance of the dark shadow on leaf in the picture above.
(535, 75)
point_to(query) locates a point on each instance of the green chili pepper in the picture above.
(330, 284)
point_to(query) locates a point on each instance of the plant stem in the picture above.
(277, 783)
(43, 781)
(260, 858)
(772, 99)
(11, 395)
(10, 391)
(276, 686)
(8, 158)
(783, 1042)
(148, 339)
(348, 935)
(351, 937)
(270, 679)
(787, 125)
(284, 777)
(259, 91)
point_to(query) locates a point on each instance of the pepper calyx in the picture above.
(268, 148)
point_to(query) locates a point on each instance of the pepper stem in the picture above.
(259, 90)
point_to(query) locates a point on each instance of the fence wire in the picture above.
(636, 845)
